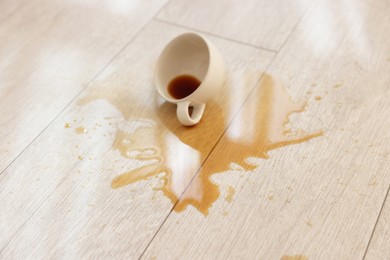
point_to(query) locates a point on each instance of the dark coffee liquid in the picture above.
(183, 86)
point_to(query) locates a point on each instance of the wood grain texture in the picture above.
(379, 247)
(263, 23)
(49, 51)
(48, 188)
(10, 7)
(317, 200)
(320, 199)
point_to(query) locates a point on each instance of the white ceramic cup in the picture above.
(190, 54)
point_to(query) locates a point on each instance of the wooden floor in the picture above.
(95, 165)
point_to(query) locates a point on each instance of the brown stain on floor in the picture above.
(180, 156)
(81, 130)
(294, 257)
(230, 194)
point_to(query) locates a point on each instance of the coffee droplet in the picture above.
(81, 130)
(67, 125)
(230, 194)
(294, 257)
(182, 86)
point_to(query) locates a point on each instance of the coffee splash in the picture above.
(259, 127)
(185, 158)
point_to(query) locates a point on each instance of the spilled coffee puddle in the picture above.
(185, 158)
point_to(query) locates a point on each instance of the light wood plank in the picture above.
(10, 7)
(320, 199)
(263, 23)
(49, 51)
(379, 247)
(59, 206)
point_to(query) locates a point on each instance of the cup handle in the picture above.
(183, 115)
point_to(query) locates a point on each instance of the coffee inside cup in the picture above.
(189, 72)
(182, 86)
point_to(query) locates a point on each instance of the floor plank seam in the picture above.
(78, 94)
(376, 223)
(33, 213)
(295, 27)
(115, 153)
(158, 230)
(211, 151)
(215, 35)
(160, 10)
